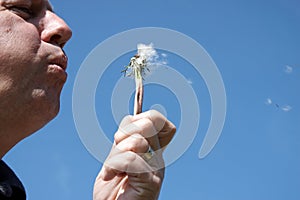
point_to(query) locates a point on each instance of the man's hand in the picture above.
(128, 173)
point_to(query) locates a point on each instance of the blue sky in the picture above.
(255, 45)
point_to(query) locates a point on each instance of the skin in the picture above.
(32, 75)
(125, 174)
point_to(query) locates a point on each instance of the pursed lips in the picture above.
(61, 61)
(58, 66)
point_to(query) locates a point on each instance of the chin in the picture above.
(45, 105)
(53, 112)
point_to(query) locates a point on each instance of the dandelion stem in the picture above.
(139, 92)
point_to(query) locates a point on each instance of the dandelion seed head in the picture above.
(147, 53)
(144, 61)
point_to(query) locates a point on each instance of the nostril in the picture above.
(55, 39)
(60, 38)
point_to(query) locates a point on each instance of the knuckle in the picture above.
(155, 113)
(118, 136)
(130, 158)
(159, 120)
(138, 143)
(147, 123)
(128, 117)
(126, 120)
(143, 125)
(144, 143)
(132, 145)
(147, 128)
(173, 129)
(124, 132)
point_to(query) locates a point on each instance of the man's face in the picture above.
(32, 62)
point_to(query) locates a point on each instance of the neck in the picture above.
(10, 135)
(14, 128)
(6, 143)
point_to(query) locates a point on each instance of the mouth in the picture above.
(61, 61)
(57, 67)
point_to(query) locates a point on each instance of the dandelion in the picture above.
(137, 68)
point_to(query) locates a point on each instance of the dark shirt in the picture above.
(11, 187)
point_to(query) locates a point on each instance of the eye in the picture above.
(22, 11)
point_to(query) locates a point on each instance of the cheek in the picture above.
(19, 38)
(20, 43)
(25, 42)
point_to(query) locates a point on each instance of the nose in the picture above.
(55, 30)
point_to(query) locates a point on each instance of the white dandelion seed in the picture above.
(286, 108)
(189, 81)
(288, 69)
(268, 101)
(164, 55)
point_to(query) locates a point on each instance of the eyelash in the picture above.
(23, 12)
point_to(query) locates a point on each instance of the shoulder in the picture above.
(10, 185)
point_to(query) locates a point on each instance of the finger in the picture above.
(135, 143)
(127, 162)
(165, 128)
(138, 144)
(143, 127)
(160, 125)
(126, 120)
(156, 117)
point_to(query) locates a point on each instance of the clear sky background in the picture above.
(256, 47)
